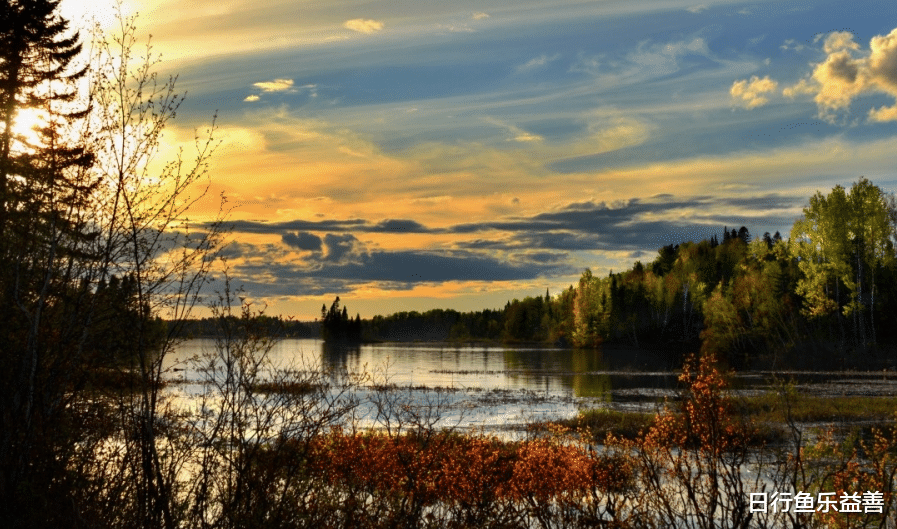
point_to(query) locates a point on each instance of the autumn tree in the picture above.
(588, 311)
(753, 314)
(842, 242)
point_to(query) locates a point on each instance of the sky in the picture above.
(419, 155)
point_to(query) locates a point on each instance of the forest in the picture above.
(828, 288)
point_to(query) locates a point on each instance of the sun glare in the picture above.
(26, 122)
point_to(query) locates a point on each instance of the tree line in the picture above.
(831, 287)
(274, 326)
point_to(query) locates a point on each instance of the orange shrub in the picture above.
(706, 420)
(451, 469)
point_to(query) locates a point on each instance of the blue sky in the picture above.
(408, 156)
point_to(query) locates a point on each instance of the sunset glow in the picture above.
(409, 156)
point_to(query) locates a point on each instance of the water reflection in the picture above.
(493, 387)
(340, 357)
(483, 386)
(603, 375)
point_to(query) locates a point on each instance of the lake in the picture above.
(499, 389)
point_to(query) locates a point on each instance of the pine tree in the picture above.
(37, 72)
(44, 228)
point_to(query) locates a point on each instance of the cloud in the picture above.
(342, 247)
(583, 225)
(883, 60)
(400, 226)
(420, 266)
(517, 134)
(510, 248)
(456, 28)
(277, 85)
(303, 240)
(280, 85)
(848, 72)
(750, 93)
(538, 62)
(395, 269)
(363, 25)
(883, 114)
(302, 228)
(649, 60)
(610, 133)
(793, 45)
(883, 72)
(666, 56)
(757, 40)
(543, 257)
(696, 9)
(431, 200)
(840, 40)
(803, 87)
(630, 224)
(527, 137)
(837, 82)
(479, 16)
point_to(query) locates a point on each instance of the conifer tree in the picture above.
(37, 72)
(44, 223)
(69, 219)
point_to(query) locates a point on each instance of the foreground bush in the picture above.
(446, 479)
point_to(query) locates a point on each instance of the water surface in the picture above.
(498, 388)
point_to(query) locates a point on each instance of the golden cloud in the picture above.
(750, 93)
(883, 114)
(609, 133)
(363, 25)
(847, 73)
(524, 136)
(839, 40)
(277, 85)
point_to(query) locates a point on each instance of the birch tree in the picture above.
(840, 242)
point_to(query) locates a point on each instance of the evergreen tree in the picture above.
(45, 236)
(37, 72)
(336, 325)
(61, 236)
